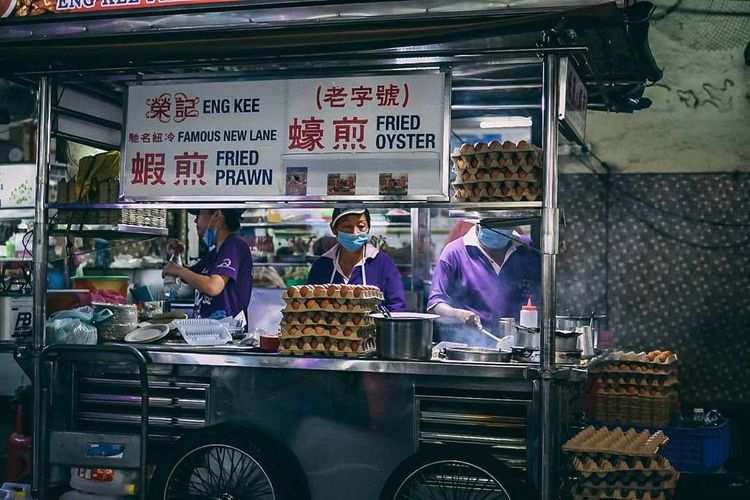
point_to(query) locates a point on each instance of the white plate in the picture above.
(146, 334)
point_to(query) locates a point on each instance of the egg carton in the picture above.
(343, 306)
(636, 368)
(632, 391)
(653, 357)
(495, 160)
(324, 318)
(615, 442)
(640, 380)
(470, 176)
(337, 332)
(653, 484)
(468, 155)
(320, 328)
(326, 347)
(332, 291)
(645, 467)
(581, 493)
(496, 191)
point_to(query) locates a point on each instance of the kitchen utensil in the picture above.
(384, 310)
(269, 342)
(508, 327)
(566, 340)
(483, 331)
(573, 322)
(585, 342)
(477, 355)
(532, 356)
(203, 331)
(147, 334)
(527, 338)
(404, 335)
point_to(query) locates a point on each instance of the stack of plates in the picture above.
(123, 321)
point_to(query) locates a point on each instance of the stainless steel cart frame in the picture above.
(516, 67)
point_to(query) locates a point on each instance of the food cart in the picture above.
(324, 428)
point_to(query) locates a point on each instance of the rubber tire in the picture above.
(499, 471)
(276, 468)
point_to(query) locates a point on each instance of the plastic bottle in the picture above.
(104, 482)
(529, 315)
(171, 283)
(10, 248)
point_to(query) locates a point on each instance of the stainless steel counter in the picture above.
(237, 356)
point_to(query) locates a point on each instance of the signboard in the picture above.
(573, 101)
(17, 185)
(369, 136)
(23, 8)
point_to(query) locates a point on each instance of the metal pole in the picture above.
(550, 234)
(43, 133)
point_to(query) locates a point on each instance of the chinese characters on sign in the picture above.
(240, 139)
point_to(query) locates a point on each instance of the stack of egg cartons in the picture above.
(614, 463)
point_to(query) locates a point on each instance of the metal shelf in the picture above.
(256, 204)
(107, 231)
(516, 215)
(16, 213)
(293, 225)
(15, 260)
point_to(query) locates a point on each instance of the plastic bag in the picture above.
(76, 326)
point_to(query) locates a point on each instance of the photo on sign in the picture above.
(296, 181)
(342, 184)
(394, 184)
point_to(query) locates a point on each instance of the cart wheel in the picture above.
(221, 468)
(449, 477)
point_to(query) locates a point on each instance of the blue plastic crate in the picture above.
(692, 449)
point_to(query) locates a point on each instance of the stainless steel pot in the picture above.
(566, 340)
(529, 338)
(477, 354)
(404, 336)
(572, 322)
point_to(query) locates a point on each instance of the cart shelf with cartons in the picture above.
(327, 428)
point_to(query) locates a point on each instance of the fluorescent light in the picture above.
(505, 122)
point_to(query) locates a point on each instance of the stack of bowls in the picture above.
(123, 321)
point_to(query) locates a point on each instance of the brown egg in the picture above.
(480, 147)
(325, 304)
(495, 146)
(509, 146)
(474, 163)
(346, 290)
(465, 176)
(296, 304)
(358, 291)
(303, 291)
(319, 291)
(311, 304)
(523, 145)
(466, 149)
(481, 175)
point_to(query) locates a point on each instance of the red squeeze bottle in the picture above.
(529, 315)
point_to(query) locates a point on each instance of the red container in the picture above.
(63, 300)
(118, 284)
(269, 343)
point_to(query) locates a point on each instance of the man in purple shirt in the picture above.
(223, 278)
(355, 261)
(487, 274)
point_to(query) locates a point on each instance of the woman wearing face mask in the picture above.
(355, 261)
(223, 278)
(486, 275)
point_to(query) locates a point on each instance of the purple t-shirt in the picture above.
(233, 260)
(465, 278)
(380, 271)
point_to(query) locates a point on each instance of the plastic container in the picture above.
(529, 316)
(203, 331)
(119, 284)
(693, 449)
(16, 490)
(107, 482)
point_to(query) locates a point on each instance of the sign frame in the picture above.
(444, 163)
(572, 118)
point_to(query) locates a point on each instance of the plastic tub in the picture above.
(119, 284)
(693, 449)
(203, 331)
(103, 482)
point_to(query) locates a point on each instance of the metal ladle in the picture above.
(478, 324)
(384, 310)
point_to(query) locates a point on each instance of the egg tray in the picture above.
(631, 391)
(335, 332)
(468, 155)
(658, 358)
(489, 191)
(644, 468)
(497, 174)
(327, 319)
(638, 368)
(638, 380)
(330, 291)
(617, 442)
(635, 410)
(342, 306)
(581, 493)
(326, 347)
(655, 484)
(518, 161)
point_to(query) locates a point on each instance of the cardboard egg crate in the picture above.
(636, 379)
(642, 469)
(327, 318)
(605, 442)
(497, 172)
(649, 408)
(581, 493)
(331, 331)
(338, 306)
(326, 346)
(331, 291)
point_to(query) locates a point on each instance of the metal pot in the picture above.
(477, 354)
(566, 340)
(527, 338)
(571, 322)
(404, 336)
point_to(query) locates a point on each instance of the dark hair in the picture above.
(232, 219)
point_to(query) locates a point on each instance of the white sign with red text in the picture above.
(288, 137)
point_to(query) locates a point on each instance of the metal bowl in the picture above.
(477, 354)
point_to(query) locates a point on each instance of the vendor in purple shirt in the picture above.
(353, 260)
(223, 278)
(486, 275)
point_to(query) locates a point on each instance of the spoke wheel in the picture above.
(218, 472)
(450, 480)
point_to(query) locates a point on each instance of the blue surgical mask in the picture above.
(494, 238)
(351, 242)
(209, 237)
